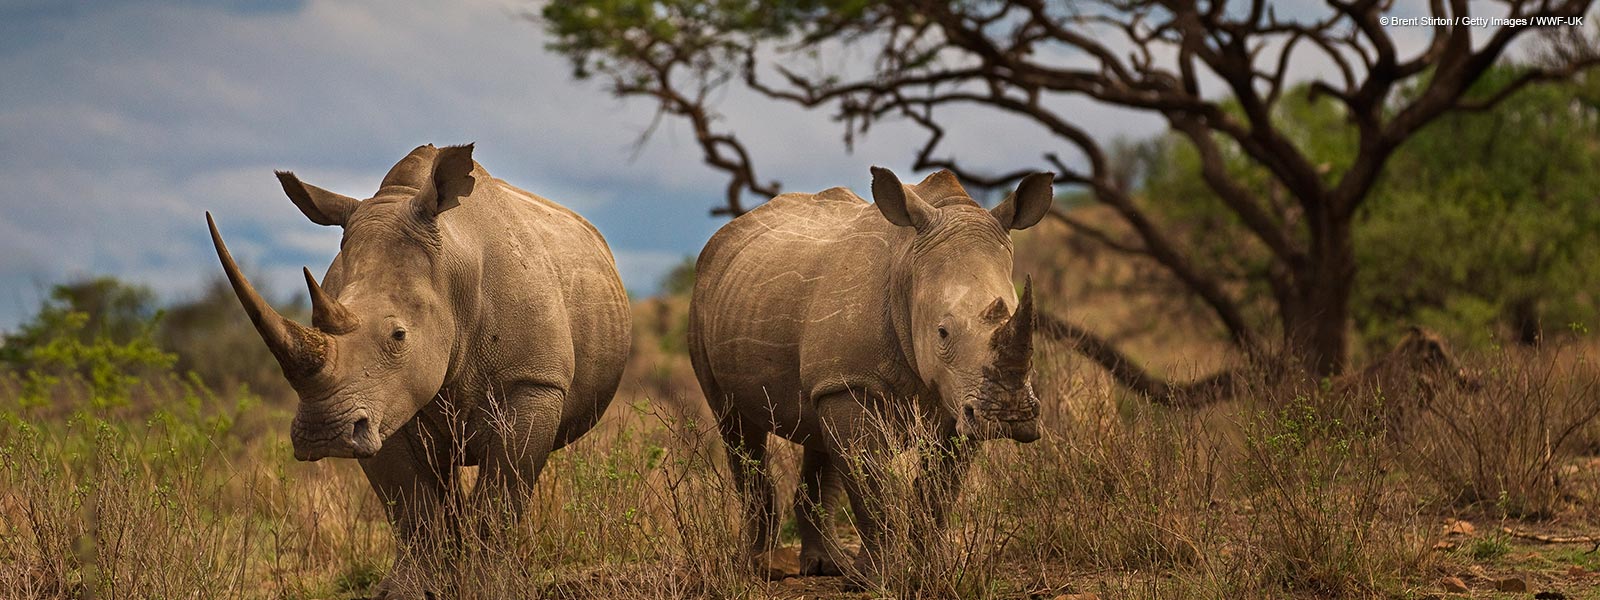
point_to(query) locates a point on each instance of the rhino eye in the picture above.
(399, 335)
(943, 333)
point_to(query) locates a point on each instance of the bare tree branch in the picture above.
(1127, 372)
(1145, 55)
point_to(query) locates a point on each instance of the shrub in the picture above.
(1503, 445)
(1325, 518)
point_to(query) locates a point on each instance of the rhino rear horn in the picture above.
(299, 349)
(996, 311)
(327, 314)
(1013, 341)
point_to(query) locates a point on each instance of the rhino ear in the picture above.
(451, 179)
(1025, 206)
(321, 206)
(899, 205)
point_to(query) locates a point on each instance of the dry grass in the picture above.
(1290, 491)
(1505, 445)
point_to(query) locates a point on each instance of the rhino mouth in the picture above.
(354, 435)
(987, 419)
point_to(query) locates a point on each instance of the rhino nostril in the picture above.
(359, 430)
(969, 413)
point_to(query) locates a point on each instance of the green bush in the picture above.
(98, 330)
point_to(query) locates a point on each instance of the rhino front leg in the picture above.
(519, 431)
(858, 447)
(413, 475)
(814, 503)
(943, 470)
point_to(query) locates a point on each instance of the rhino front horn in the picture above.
(326, 313)
(1014, 340)
(299, 349)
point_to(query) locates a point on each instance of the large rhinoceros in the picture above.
(463, 322)
(816, 314)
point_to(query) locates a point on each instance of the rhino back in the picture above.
(790, 302)
(550, 305)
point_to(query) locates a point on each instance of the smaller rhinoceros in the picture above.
(814, 312)
(463, 322)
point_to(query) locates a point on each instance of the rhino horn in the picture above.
(327, 314)
(299, 349)
(1013, 341)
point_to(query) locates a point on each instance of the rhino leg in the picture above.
(814, 503)
(943, 469)
(413, 475)
(517, 436)
(746, 443)
(858, 449)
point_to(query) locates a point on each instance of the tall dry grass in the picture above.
(1291, 490)
(1505, 445)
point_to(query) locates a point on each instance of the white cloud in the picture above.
(130, 120)
(121, 123)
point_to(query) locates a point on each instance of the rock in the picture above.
(1576, 571)
(1453, 585)
(1549, 595)
(1456, 527)
(1511, 584)
(779, 563)
(1445, 545)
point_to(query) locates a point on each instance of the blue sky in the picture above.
(122, 122)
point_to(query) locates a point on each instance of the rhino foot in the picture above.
(857, 583)
(819, 566)
(863, 576)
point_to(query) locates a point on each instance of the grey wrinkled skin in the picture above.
(463, 322)
(821, 318)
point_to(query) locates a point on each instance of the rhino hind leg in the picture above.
(747, 459)
(814, 503)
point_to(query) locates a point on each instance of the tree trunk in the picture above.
(1525, 321)
(1316, 322)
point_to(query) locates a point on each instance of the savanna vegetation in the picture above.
(127, 475)
(144, 449)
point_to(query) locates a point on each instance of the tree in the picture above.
(97, 329)
(1516, 248)
(1486, 221)
(1215, 73)
(108, 307)
(107, 331)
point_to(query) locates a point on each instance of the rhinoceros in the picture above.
(814, 315)
(463, 322)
